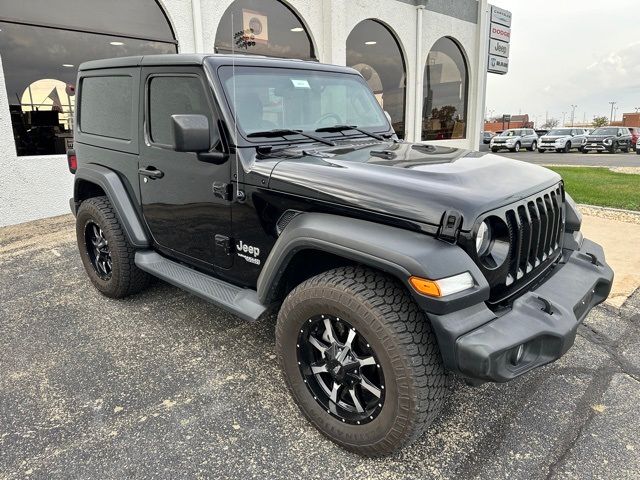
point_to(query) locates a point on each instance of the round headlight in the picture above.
(607, 141)
(483, 239)
(493, 242)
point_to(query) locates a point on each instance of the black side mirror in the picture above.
(190, 133)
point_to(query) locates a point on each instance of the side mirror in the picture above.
(190, 133)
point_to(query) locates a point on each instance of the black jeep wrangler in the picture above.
(275, 185)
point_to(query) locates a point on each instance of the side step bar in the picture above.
(242, 302)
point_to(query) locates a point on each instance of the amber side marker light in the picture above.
(444, 286)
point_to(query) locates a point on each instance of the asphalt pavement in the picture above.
(164, 385)
(573, 158)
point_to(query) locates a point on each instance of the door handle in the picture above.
(151, 172)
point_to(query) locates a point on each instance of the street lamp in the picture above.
(573, 112)
(612, 105)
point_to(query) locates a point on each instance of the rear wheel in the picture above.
(360, 360)
(533, 146)
(106, 253)
(613, 148)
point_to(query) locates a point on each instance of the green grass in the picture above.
(601, 186)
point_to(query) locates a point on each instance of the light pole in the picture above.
(615, 113)
(611, 116)
(573, 113)
(564, 114)
(637, 109)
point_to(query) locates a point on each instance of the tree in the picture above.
(600, 122)
(550, 123)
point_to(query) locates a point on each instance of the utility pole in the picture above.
(637, 109)
(615, 113)
(564, 114)
(611, 116)
(573, 112)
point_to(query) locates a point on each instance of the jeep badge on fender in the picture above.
(390, 264)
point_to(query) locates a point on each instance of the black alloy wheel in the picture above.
(98, 250)
(341, 370)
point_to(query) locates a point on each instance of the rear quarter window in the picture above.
(105, 106)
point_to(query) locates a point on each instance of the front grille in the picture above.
(535, 227)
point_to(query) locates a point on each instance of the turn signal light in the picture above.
(444, 286)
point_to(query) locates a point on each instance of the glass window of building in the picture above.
(42, 46)
(444, 107)
(263, 27)
(374, 51)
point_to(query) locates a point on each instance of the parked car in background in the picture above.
(635, 134)
(608, 139)
(638, 148)
(486, 137)
(514, 139)
(563, 140)
(540, 133)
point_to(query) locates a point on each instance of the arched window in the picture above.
(263, 27)
(41, 47)
(444, 108)
(374, 51)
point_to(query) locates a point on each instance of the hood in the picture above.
(592, 138)
(412, 181)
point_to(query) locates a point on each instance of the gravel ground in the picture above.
(163, 385)
(627, 216)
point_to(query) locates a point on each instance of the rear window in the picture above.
(105, 106)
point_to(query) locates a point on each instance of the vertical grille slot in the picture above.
(544, 229)
(525, 262)
(535, 226)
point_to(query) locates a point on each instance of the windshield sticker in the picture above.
(300, 83)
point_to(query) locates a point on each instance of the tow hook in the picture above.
(546, 306)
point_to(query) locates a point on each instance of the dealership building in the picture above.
(425, 61)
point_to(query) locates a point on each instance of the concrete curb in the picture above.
(610, 209)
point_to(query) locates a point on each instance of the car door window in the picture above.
(172, 95)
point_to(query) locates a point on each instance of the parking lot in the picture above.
(573, 158)
(163, 385)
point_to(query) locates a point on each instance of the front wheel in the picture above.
(613, 148)
(516, 148)
(541, 150)
(360, 360)
(494, 150)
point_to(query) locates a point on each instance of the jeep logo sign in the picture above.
(496, 47)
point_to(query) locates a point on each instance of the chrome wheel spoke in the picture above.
(317, 368)
(367, 361)
(328, 335)
(334, 393)
(318, 344)
(356, 402)
(367, 385)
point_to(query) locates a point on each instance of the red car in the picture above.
(635, 134)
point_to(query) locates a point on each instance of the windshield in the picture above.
(286, 99)
(510, 133)
(560, 131)
(605, 131)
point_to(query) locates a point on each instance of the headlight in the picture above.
(510, 141)
(560, 141)
(607, 141)
(483, 239)
(493, 242)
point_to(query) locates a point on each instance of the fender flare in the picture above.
(398, 252)
(117, 194)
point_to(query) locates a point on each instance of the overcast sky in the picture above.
(564, 52)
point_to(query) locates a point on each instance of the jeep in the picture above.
(268, 185)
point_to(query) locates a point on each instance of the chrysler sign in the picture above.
(499, 41)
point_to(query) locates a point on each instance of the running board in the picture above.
(242, 302)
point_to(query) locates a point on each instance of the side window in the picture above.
(105, 106)
(171, 96)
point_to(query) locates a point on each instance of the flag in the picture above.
(57, 105)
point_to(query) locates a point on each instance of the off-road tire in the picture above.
(382, 310)
(126, 278)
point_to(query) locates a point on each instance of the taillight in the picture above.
(72, 161)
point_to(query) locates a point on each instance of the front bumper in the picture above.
(600, 147)
(482, 345)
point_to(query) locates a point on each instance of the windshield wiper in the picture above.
(342, 128)
(282, 132)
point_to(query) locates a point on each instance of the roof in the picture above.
(216, 59)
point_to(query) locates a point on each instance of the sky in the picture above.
(569, 52)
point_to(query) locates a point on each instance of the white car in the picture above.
(515, 138)
(563, 140)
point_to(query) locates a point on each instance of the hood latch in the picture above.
(450, 226)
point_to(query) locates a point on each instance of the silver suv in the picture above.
(514, 139)
(563, 140)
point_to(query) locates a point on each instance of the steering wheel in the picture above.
(326, 116)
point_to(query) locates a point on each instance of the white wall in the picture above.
(37, 187)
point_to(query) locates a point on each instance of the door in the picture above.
(184, 198)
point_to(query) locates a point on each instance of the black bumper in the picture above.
(483, 346)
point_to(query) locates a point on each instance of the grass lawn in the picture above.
(601, 186)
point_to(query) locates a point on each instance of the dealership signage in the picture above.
(499, 41)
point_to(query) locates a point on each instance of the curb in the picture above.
(610, 209)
